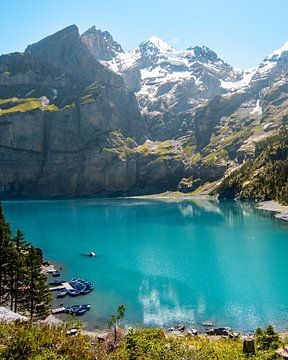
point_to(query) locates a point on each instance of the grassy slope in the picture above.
(43, 342)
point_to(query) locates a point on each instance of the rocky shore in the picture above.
(280, 210)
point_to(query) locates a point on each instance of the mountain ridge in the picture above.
(163, 116)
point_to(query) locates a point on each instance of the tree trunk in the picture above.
(248, 346)
(115, 334)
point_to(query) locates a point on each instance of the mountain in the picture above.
(79, 116)
(168, 82)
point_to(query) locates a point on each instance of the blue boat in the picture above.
(77, 309)
(83, 286)
(72, 309)
(81, 312)
(56, 282)
(61, 294)
(55, 273)
(73, 292)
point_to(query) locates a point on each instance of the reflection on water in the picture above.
(168, 262)
(161, 306)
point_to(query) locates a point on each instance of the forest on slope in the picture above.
(263, 178)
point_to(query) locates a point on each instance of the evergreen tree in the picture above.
(37, 296)
(6, 250)
(18, 269)
(22, 285)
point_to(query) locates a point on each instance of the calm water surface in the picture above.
(168, 262)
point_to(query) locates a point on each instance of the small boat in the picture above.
(207, 323)
(77, 309)
(73, 292)
(61, 294)
(81, 311)
(55, 273)
(71, 309)
(92, 254)
(56, 282)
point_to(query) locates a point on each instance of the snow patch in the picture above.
(241, 84)
(159, 43)
(257, 109)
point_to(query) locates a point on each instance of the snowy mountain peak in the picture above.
(274, 64)
(155, 44)
(203, 53)
(278, 53)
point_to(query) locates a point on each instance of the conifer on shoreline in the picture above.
(23, 287)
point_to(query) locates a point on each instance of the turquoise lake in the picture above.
(168, 262)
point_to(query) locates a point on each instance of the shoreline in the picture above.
(273, 206)
(172, 195)
(105, 332)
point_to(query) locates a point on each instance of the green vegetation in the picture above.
(262, 178)
(115, 320)
(120, 145)
(90, 94)
(43, 342)
(267, 338)
(19, 105)
(14, 105)
(22, 285)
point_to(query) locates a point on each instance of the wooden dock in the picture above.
(59, 310)
(65, 285)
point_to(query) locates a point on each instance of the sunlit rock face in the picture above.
(79, 116)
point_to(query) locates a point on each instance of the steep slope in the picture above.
(262, 178)
(59, 107)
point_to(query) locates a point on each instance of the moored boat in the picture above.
(77, 309)
(61, 294)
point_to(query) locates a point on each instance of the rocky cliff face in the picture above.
(80, 117)
(101, 44)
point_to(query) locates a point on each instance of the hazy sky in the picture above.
(241, 32)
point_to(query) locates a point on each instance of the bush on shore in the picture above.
(42, 342)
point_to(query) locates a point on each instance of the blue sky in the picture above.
(242, 32)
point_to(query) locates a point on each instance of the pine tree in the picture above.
(18, 269)
(6, 250)
(22, 285)
(37, 296)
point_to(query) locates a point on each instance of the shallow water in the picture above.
(168, 262)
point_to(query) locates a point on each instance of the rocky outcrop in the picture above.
(57, 150)
(101, 44)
